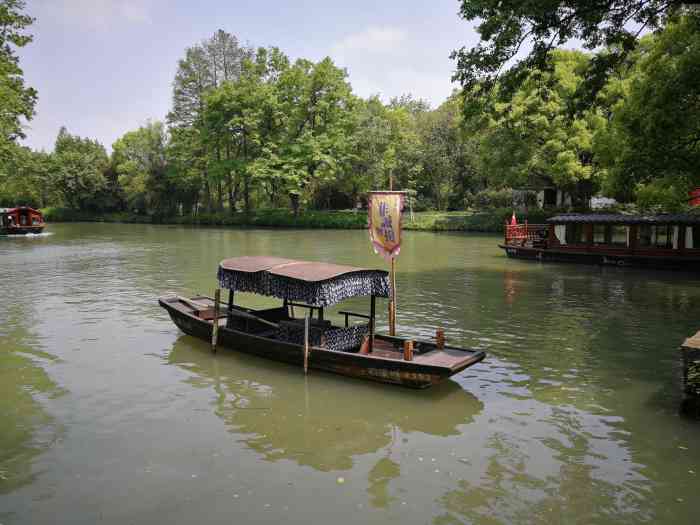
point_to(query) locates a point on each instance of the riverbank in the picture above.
(489, 221)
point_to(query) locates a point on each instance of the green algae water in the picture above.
(109, 414)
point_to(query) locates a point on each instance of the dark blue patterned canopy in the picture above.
(316, 284)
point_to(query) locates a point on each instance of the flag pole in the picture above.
(392, 302)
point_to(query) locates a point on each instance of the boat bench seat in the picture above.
(323, 334)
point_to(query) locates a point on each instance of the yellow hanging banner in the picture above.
(384, 211)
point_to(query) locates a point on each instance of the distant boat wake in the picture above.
(28, 235)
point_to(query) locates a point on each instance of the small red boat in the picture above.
(21, 221)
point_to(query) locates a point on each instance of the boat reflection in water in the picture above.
(321, 421)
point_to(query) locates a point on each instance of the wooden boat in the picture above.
(660, 241)
(275, 333)
(21, 221)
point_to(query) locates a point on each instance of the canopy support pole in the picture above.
(215, 320)
(307, 321)
(230, 308)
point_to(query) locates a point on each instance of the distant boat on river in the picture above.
(276, 333)
(656, 241)
(21, 221)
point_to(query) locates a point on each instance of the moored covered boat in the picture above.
(669, 241)
(353, 349)
(20, 221)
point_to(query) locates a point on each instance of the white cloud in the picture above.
(391, 61)
(96, 14)
(373, 39)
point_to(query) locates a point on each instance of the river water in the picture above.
(109, 414)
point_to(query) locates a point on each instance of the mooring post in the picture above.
(215, 320)
(408, 350)
(690, 352)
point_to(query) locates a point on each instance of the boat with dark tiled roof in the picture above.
(276, 333)
(668, 241)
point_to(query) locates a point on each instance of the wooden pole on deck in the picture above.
(215, 320)
(306, 344)
(371, 323)
(392, 301)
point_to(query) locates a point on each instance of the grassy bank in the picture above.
(477, 221)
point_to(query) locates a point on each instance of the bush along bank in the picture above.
(487, 221)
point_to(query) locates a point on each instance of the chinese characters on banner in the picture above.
(385, 222)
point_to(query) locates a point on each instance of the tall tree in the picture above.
(651, 150)
(205, 67)
(78, 171)
(534, 139)
(507, 27)
(140, 160)
(17, 101)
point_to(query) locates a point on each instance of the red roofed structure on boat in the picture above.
(21, 221)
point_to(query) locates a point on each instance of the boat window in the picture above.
(35, 220)
(664, 236)
(656, 236)
(645, 235)
(23, 220)
(692, 237)
(599, 231)
(574, 233)
(618, 235)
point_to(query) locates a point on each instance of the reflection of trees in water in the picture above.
(26, 430)
(515, 490)
(322, 421)
(586, 351)
(379, 477)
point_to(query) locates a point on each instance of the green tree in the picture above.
(25, 179)
(447, 155)
(140, 159)
(651, 149)
(17, 101)
(317, 104)
(243, 123)
(535, 139)
(205, 67)
(507, 27)
(78, 171)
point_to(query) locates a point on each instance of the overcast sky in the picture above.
(104, 67)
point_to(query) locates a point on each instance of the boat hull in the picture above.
(405, 373)
(601, 258)
(21, 230)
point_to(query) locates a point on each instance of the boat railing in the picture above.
(521, 234)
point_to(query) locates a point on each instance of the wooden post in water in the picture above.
(690, 352)
(215, 320)
(306, 344)
(408, 350)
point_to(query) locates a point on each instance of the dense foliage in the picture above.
(249, 129)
